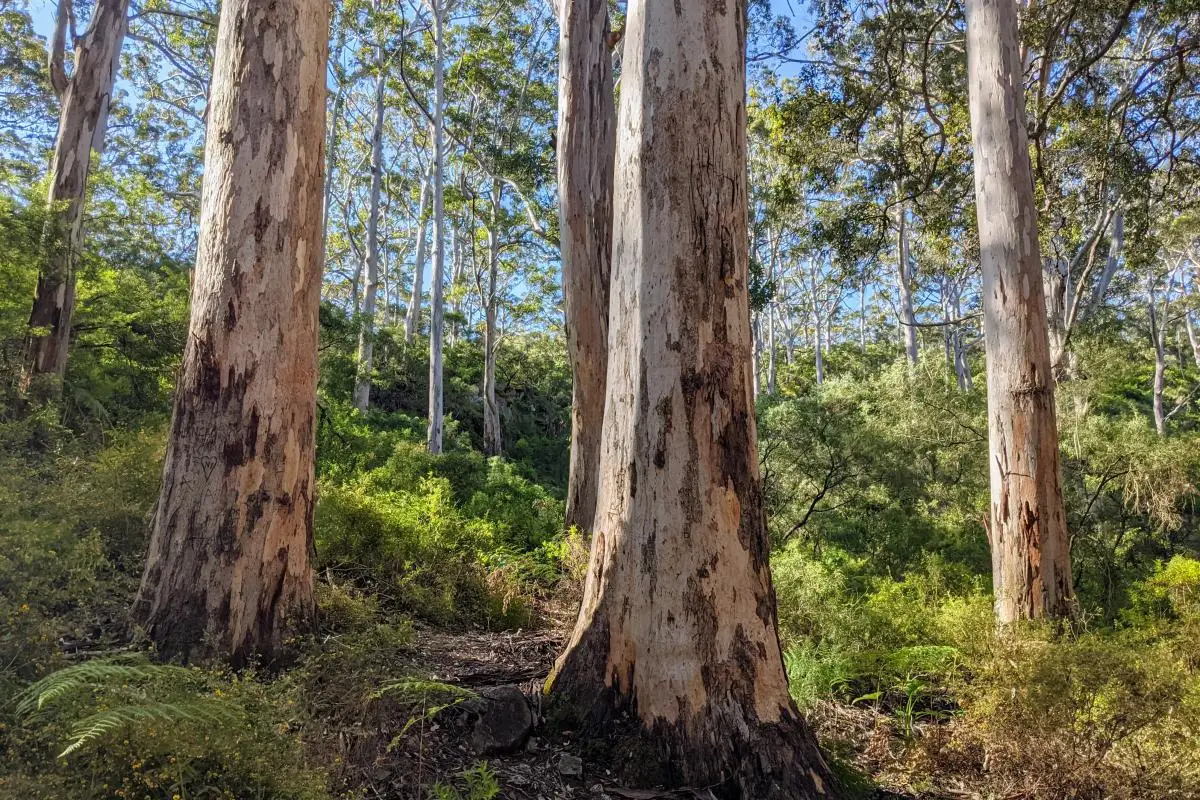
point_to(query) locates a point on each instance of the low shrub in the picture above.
(419, 553)
(130, 729)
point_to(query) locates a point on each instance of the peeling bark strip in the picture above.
(587, 126)
(677, 631)
(228, 570)
(85, 98)
(1031, 564)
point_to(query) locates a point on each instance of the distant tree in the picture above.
(85, 96)
(228, 569)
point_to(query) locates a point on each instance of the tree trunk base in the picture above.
(719, 749)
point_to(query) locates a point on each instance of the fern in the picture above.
(208, 710)
(481, 785)
(92, 674)
(419, 690)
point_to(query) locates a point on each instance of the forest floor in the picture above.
(443, 746)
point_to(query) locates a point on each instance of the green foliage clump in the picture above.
(421, 553)
(71, 540)
(1111, 714)
(850, 645)
(135, 729)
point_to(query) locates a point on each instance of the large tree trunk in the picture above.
(85, 100)
(1031, 565)
(366, 335)
(675, 656)
(586, 141)
(412, 319)
(437, 305)
(228, 570)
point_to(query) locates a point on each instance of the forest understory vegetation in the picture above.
(685, 447)
(884, 603)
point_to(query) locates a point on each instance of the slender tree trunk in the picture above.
(818, 349)
(756, 352)
(412, 319)
(437, 309)
(771, 371)
(1115, 249)
(862, 315)
(586, 141)
(228, 569)
(1055, 278)
(1158, 337)
(366, 334)
(908, 317)
(1031, 566)
(356, 288)
(675, 656)
(339, 101)
(1160, 382)
(1193, 338)
(947, 322)
(962, 367)
(85, 99)
(492, 442)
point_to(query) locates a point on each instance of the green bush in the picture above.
(847, 644)
(127, 728)
(418, 552)
(1114, 715)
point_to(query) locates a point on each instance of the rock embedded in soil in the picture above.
(570, 766)
(504, 720)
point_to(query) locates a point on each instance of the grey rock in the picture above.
(504, 721)
(570, 766)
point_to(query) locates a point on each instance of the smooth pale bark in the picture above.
(862, 315)
(1031, 567)
(228, 570)
(956, 350)
(1068, 284)
(85, 99)
(339, 101)
(1193, 337)
(1159, 322)
(412, 319)
(908, 317)
(771, 306)
(586, 141)
(675, 656)
(1115, 250)
(437, 305)
(366, 335)
(492, 442)
(756, 352)
(771, 367)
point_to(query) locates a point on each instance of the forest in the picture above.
(540, 399)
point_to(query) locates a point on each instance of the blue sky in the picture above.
(43, 12)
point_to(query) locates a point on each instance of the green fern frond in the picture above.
(92, 674)
(96, 726)
(417, 689)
